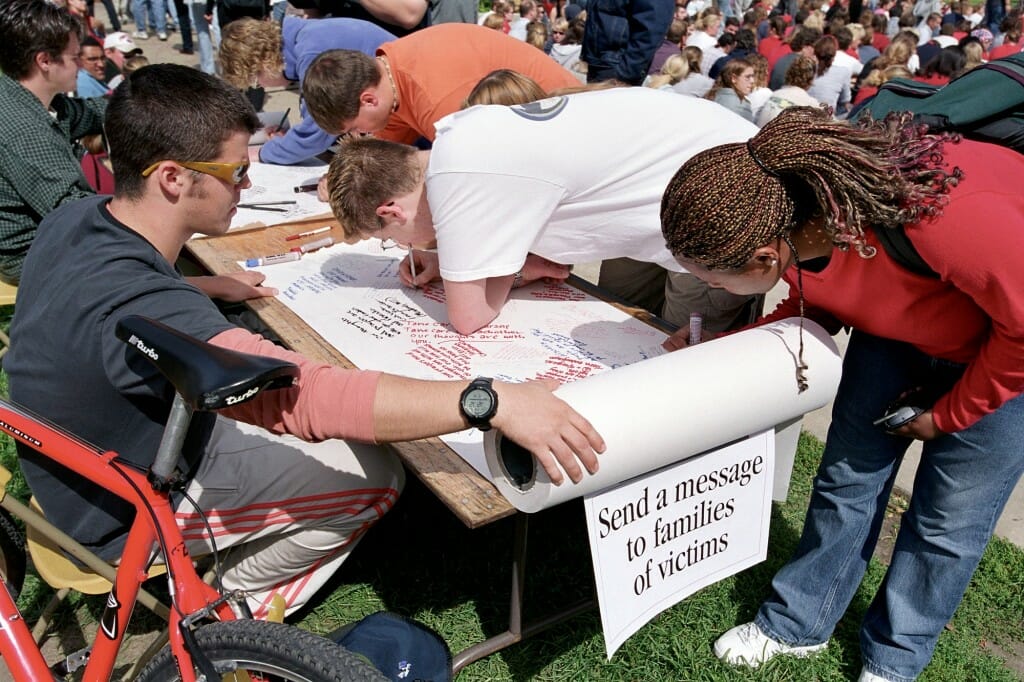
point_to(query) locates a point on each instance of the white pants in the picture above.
(290, 511)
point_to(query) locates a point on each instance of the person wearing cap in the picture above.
(117, 47)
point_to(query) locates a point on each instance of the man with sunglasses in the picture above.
(39, 125)
(283, 491)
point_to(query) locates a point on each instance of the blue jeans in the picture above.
(157, 15)
(202, 29)
(961, 486)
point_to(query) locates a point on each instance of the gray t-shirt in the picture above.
(84, 272)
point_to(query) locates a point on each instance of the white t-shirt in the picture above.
(573, 179)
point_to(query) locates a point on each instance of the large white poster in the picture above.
(350, 294)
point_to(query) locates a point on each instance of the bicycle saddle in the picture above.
(206, 376)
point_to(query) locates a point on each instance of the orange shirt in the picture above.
(435, 69)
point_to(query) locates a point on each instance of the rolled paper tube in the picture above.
(668, 408)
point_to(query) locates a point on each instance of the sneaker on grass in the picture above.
(747, 645)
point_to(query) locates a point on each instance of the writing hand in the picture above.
(558, 436)
(922, 428)
(234, 287)
(681, 339)
(427, 269)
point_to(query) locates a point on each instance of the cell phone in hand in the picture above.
(907, 408)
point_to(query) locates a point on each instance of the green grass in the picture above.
(422, 562)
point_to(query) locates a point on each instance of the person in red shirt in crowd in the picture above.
(817, 194)
(771, 43)
(1011, 29)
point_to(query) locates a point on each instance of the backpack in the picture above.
(403, 649)
(986, 104)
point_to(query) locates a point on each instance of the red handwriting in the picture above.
(569, 369)
(557, 292)
(452, 362)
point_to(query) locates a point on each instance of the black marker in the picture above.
(307, 188)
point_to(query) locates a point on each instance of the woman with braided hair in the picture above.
(802, 200)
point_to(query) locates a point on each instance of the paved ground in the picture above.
(1011, 525)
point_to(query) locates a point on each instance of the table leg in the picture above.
(516, 631)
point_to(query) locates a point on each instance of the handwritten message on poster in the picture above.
(351, 295)
(661, 537)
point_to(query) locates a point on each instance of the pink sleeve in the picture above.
(325, 402)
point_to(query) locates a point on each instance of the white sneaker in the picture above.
(866, 676)
(747, 645)
(140, 35)
(161, 35)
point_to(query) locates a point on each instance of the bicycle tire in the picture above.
(12, 554)
(270, 652)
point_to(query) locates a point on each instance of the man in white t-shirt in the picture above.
(504, 210)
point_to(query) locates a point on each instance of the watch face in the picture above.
(477, 403)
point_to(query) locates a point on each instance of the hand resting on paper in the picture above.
(537, 267)
(233, 287)
(681, 339)
(532, 416)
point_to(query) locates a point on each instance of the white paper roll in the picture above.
(674, 406)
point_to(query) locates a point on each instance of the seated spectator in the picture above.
(89, 82)
(973, 51)
(832, 83)
(537, 34)
(722, 47)
(416, 80)
(117, 47)
(899, 53)
(863, 37)
(41, 126)
(528, 11)
(732, 87)
(946, 37)
(874, 81)
(694, 83)
(262, 53)
(846, 48)
(670, 45)
(773, 41)
(566, 52)
(802, 42)
(760, 94)
(500, 9)
(1011, 29)
(706, 29)
(745, 46)
(799, 77)
(943, 67)
(673, 70)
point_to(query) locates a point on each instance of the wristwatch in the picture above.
(479, 403)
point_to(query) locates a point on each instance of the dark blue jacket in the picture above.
(622, 36)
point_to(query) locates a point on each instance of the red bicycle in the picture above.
(211, 635)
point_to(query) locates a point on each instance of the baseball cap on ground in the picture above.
(121, 41)
(401, 648)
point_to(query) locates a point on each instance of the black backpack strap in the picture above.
(899, 247)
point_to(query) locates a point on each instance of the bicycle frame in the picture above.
(154, 530)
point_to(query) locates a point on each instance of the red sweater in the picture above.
(973, 314)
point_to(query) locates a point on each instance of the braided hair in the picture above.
(725, 202)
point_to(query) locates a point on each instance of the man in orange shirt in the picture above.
(417, 80)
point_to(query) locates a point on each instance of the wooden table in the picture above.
(470, 496)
